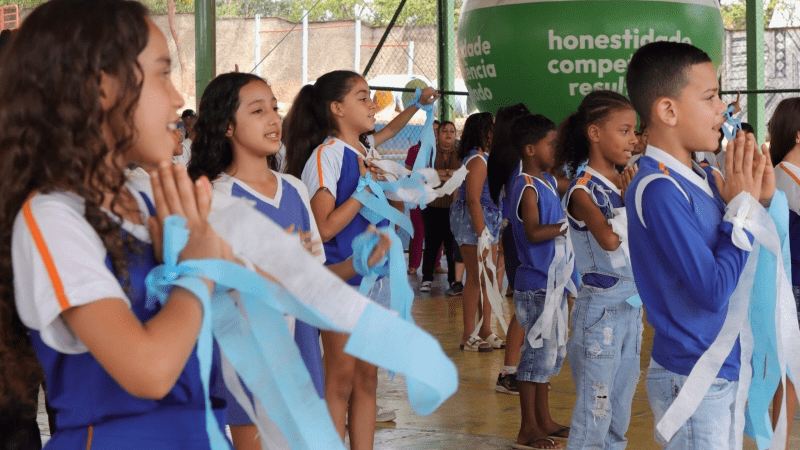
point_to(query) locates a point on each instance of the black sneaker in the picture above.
(455, 290)
(507, 384)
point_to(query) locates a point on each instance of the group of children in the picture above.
(79, 238)
(657, 229)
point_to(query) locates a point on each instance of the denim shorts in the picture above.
(464, 231)
(537, 365)
(711, 425)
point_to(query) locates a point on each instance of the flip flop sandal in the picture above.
(495, 341)
(559, 435)
(530, 445)
(473, 344)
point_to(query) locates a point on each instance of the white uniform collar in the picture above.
(693, 175)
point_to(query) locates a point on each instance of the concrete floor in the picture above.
(476, 417)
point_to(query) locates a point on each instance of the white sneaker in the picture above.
(384, 415)
(425, 286)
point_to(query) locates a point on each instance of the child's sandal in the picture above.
(495, 341)
(476, 344)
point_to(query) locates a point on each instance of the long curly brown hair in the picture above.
(52, 137)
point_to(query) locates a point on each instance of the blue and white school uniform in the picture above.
(460, 219)
(787, 179)
(686, 267)
(538, 363)
(606, 330)
(290, 206)
(333, 166)
(60, 262)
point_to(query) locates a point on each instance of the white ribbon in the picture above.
(620, 257)
(489, 282)
(429, 179)
(745, 214)
(559, 281)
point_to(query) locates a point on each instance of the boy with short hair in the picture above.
(685, 255)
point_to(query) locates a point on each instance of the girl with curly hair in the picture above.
(237, 137)
(85, 91)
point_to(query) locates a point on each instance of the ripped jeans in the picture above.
(604, 357)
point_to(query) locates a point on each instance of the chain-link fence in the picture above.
(781, 67)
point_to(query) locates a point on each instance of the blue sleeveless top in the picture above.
(486, 199)
(534, 258)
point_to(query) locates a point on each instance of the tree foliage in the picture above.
(378, 12)
(734, 12)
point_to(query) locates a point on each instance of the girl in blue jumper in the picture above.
(606, 330)
(78, 239)
(471, 213)
(545, 275)
(328, 144)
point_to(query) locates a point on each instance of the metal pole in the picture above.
(385, 35)
(305, 47)
(357, 47)
(755, 66)
(410, 58)
(205, 44)
(446, 56)
(257, 47)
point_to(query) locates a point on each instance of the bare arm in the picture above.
(475, 180)
(429, 95)
(583, 209)
(529, 212)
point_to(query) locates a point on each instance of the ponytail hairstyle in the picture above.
(51, 138)
(310, 119)
(783, 128)
(477, 133)
(503, 158)
(212, 151)
(572, 142)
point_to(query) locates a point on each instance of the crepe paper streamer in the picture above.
(488, 273)
(421, 191)
(773, 318)
(747, 215)
(427, 149)
(559, 282)
(375, 206)
(279, 378)
(731, 125)
(402, 296)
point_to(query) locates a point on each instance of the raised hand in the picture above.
(429, 95)
(745, 169)
(627, 176)
(174, 193)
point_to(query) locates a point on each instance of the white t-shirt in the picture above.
(324, 167)
(59, 262)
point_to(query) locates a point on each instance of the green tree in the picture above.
(734, 13)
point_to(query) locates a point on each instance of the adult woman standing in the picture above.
(436, 217)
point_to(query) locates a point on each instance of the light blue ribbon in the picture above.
(766, 371)
(402, 296)
(375, 206)
(734, 124)
(427, 148)
(270, 364)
